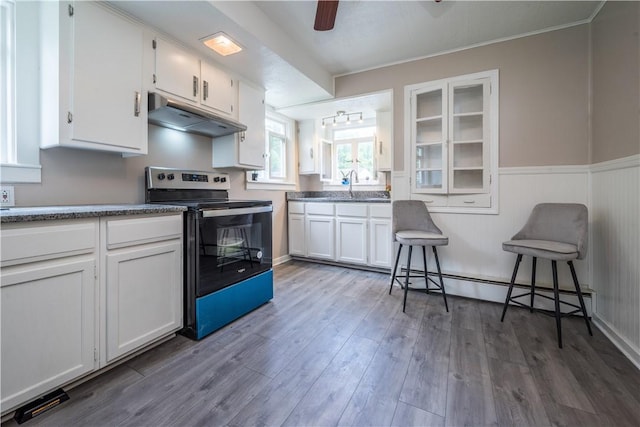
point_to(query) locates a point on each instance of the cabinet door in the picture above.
(469, 136)
(107, 106)
(251, 113)
(177, 71)
(217, 88)
(351, 237)
(429, 140)
(48, 326)
(320, 234)
(143, 295)
(383, 140)
(380, 248)
(308, 158)
(296, 235)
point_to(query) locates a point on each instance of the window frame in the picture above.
(21, 145)
(354, 142)
(289, 181)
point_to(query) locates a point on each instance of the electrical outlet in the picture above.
(7, 198)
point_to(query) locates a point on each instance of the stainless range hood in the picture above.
(178, 115)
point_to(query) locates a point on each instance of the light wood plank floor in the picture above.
(333, 348)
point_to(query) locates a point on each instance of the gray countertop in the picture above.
(44, 213)
(339, 196)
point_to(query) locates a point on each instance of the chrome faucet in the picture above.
(351, 182)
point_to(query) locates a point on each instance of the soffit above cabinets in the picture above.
(296, 65)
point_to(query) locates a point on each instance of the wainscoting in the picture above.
(610, 190)
(615, 247)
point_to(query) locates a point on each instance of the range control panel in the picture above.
(164, 178)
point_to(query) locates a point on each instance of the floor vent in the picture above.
(40, 406)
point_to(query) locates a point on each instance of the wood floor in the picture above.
(333, 348)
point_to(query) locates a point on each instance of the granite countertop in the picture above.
(45, 213)
(339, 196)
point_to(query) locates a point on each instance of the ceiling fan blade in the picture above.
(325, 15)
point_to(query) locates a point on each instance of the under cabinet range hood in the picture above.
(174, 114)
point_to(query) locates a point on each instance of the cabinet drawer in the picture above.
(296, 207)
(351, 209)
(44, 240)
(470, 200)
(124, 232)
(431, 200)
(319, 208)
(380, 210)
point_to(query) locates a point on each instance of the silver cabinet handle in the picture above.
(428, 201)
(136, 104)
(380, 147)
(469, 201)
(195, 85)
(205, 89)
(311, 152)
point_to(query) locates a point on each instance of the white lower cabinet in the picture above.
(143, 281)
(78, 294)
(320, 233)
(143, 301)
(350, 233)
(48, 307)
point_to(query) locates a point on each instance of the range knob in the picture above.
(223, 179)
(161, 176)
(170, 177)
(216, 179)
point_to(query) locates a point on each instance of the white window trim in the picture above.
(290, 182)
(12, 170)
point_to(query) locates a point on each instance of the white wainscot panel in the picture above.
(615, 240)
(475, 240)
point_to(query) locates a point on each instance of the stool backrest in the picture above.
(411, 215)
(557, 222)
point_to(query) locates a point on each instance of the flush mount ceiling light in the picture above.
(221, 44)
(340, 115)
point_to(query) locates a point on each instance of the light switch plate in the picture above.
(7, 198)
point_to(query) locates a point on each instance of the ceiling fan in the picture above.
(325, 15)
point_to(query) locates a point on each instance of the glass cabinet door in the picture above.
(468, 136)
(429, 140)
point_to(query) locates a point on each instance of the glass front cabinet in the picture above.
(453, 141)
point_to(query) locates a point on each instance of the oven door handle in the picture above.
(235, 211)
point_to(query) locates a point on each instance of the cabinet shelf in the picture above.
(429, 118)
(471, 114)
(468, 141)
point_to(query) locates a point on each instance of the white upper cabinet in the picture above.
(177, 72)
(383, 140)
(308, 155)
(245, 150)
(182, 74)
(218, 89)
(453, 141)
(91, 79)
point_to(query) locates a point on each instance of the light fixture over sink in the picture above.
(339, 116)
(221, 43)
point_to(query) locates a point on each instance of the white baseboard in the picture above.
(628, 349)
(281, 260)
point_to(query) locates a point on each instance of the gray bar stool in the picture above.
(412, 226)
(557, 232)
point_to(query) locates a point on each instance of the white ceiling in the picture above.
(296, 65)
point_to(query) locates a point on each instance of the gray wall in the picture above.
(616, 81)
(73, 177)
(544, 100)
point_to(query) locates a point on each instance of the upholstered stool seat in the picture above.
(557, 232)
(412, 226)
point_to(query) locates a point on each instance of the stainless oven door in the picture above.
(232, 245)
